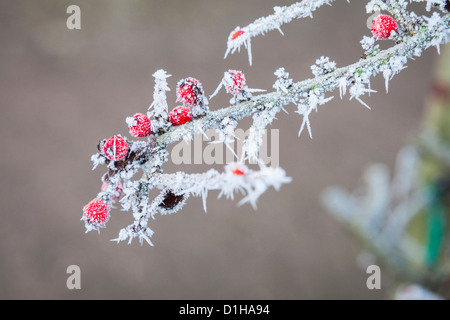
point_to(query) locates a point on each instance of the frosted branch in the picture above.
(352, 76)
(242, 36)
(195, 117)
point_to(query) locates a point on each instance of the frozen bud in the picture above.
(171, 202)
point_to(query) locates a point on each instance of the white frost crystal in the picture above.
(158, 110)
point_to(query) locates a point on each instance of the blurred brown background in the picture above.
(62, 91)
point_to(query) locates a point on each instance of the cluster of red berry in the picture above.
(190, 93)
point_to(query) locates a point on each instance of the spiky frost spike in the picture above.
(242, 36)
(158, 111)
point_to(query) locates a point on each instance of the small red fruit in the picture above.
(115, 148)
(189, 92)
(383, 25)
(96, 211)
(237, 169)
(237, 34)
(237, 172)
(139, 125)
(180, 115)
(234, 81)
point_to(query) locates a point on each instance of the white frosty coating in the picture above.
(354, 78)
(252, 183)
(305, 8)
(131, 121)
(255, 139)
(226, 135)
(369, 46)
(97, 160)
(262, 25)
(158, 111)
(323, 66)
(417, 35)
(305, 106)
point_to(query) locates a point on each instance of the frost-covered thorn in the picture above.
(158, 110)
(387, 74)
(242, 36)
(358, 89)
(283, 82)
(135, 231)
(236, 39)
(315, 98)
(323, 66)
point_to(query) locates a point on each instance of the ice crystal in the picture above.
(158, 110)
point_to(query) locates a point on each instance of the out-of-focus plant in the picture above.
(404, 222)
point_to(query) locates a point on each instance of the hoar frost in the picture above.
(415, 34)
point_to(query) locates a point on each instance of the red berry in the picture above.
(180, 115)
(115, 148)
(234, 81)
(237, 169)
(237, 34)
(383, 25)
(189, 92)
(96, 211)
(139, 125)
(118, 193)
(238, 172)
